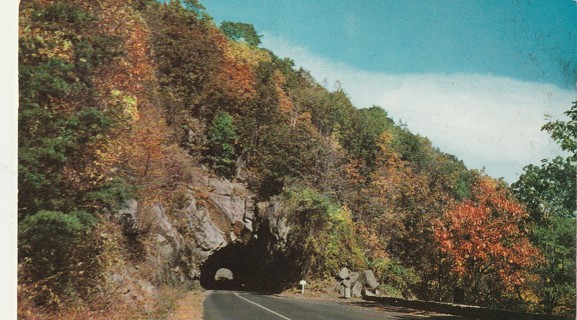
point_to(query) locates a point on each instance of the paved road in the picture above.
(230, 305)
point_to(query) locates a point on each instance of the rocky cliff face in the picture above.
(219, 213)
(214, 226)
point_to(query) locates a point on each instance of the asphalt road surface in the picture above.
(231, 305)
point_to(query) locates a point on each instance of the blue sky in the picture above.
(528, 40)
(476, 77)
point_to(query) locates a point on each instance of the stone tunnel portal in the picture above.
(253, 266)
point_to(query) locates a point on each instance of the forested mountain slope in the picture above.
(155, 146)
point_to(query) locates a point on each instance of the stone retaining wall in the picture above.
(463, 310)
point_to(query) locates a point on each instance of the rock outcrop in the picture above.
(213, 214)
(218, 213)
(278, 225)
(357, 284)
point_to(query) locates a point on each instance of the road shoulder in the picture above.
(190, 307)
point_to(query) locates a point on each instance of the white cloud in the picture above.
(486, 121)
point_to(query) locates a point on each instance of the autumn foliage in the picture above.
(131, 99)
(485, 239)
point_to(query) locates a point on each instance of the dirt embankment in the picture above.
(189, 307)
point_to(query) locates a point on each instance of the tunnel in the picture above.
(233, 257)
(255, 267)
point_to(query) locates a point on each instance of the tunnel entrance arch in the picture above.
(235, 258)
(255, 267)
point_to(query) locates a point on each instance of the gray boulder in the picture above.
(344, 273)
(354, 276)
(368, 293)
(210, 238)
(346, 283)
(369, 280)
(357, 290)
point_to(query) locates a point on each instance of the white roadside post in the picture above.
(302, 283)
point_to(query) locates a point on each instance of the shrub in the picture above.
(322, 239)
(111, 195)
(45, 242)
(63, 12)
(396, 279)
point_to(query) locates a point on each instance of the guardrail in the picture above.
(474, 312)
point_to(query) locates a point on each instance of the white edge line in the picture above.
(267, 309)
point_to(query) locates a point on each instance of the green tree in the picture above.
(556, 284)
(239, 31)
(549, 192)
(194, 6)
(397, 280)
(565, 132)
(284, 154)
(222, 139)
(64, 126)
(187, 59)
(363, 137)
(60, 123)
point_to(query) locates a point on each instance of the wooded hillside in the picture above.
(125, 100)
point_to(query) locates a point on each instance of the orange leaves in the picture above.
(236, 71)
(484, 235)
(135, 68)
(238, 80)
(121, 86)
(372, 241)
(147, 140)
(127, 89)
(286, 104)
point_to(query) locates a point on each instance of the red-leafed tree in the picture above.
(486, 243)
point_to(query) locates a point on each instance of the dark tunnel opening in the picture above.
(255, 267)
(232, 257)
